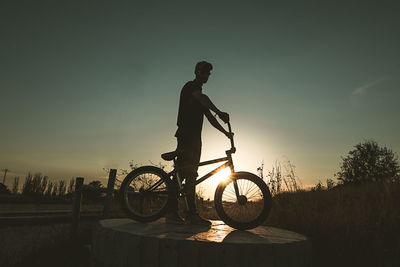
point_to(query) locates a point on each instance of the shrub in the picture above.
(369, 162)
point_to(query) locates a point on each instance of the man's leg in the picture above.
(172, 216)
(174, 200)
(192, 216)
(190, 189)
(190, 186)
(187, 164)
(191, 161)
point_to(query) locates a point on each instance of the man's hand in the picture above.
(224, 116)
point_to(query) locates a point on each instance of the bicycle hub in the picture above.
(242, 200)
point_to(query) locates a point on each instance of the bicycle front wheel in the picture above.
(243, 201)
(145, 194)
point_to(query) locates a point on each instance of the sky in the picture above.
(87, 85)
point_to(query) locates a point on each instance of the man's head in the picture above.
(203, 71)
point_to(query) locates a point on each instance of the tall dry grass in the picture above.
(352, 225)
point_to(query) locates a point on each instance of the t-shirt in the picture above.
(190, 114)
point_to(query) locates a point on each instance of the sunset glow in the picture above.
(221, 175)
(270, 74)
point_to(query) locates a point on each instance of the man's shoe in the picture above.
(173, 218)
(195, 219)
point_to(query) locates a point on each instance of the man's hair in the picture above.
(202, 65)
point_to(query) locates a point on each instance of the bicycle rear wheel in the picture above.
(252, 205)
(145, 193)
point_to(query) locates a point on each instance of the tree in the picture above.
(15, 187)
(49, 189)
(330, 184)
(61, 187)
(369, 162)
(71, 186)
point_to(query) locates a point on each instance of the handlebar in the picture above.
(233, 148)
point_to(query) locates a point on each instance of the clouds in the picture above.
(363, 89)
(378, 92)
(372, 84)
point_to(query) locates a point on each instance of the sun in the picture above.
(221, 175)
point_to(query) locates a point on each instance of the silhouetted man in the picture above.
(193, 104)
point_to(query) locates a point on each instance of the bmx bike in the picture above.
(242, 201)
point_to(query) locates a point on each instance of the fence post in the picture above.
(76, 206)
(110, 191)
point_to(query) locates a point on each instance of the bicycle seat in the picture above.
(171, 155)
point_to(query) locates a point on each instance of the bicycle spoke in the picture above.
(257, 193)
(232, 199)
(245, 212)
(232, 189)
(253, 197)
(254, 190)
(251, 187)
(229, 194)
(246, 185)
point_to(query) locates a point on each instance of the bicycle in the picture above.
(242, 201)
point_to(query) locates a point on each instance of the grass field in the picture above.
(354, 225)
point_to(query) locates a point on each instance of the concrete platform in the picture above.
(124, 242)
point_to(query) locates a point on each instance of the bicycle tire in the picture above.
(129, 193)
(234, 214)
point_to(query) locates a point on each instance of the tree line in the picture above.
(38, 185)
(367, 162)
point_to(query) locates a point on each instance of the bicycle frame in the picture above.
(242, 200)
(228, 163)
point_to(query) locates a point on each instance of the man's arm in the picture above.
(206, 102)
(215, 123)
